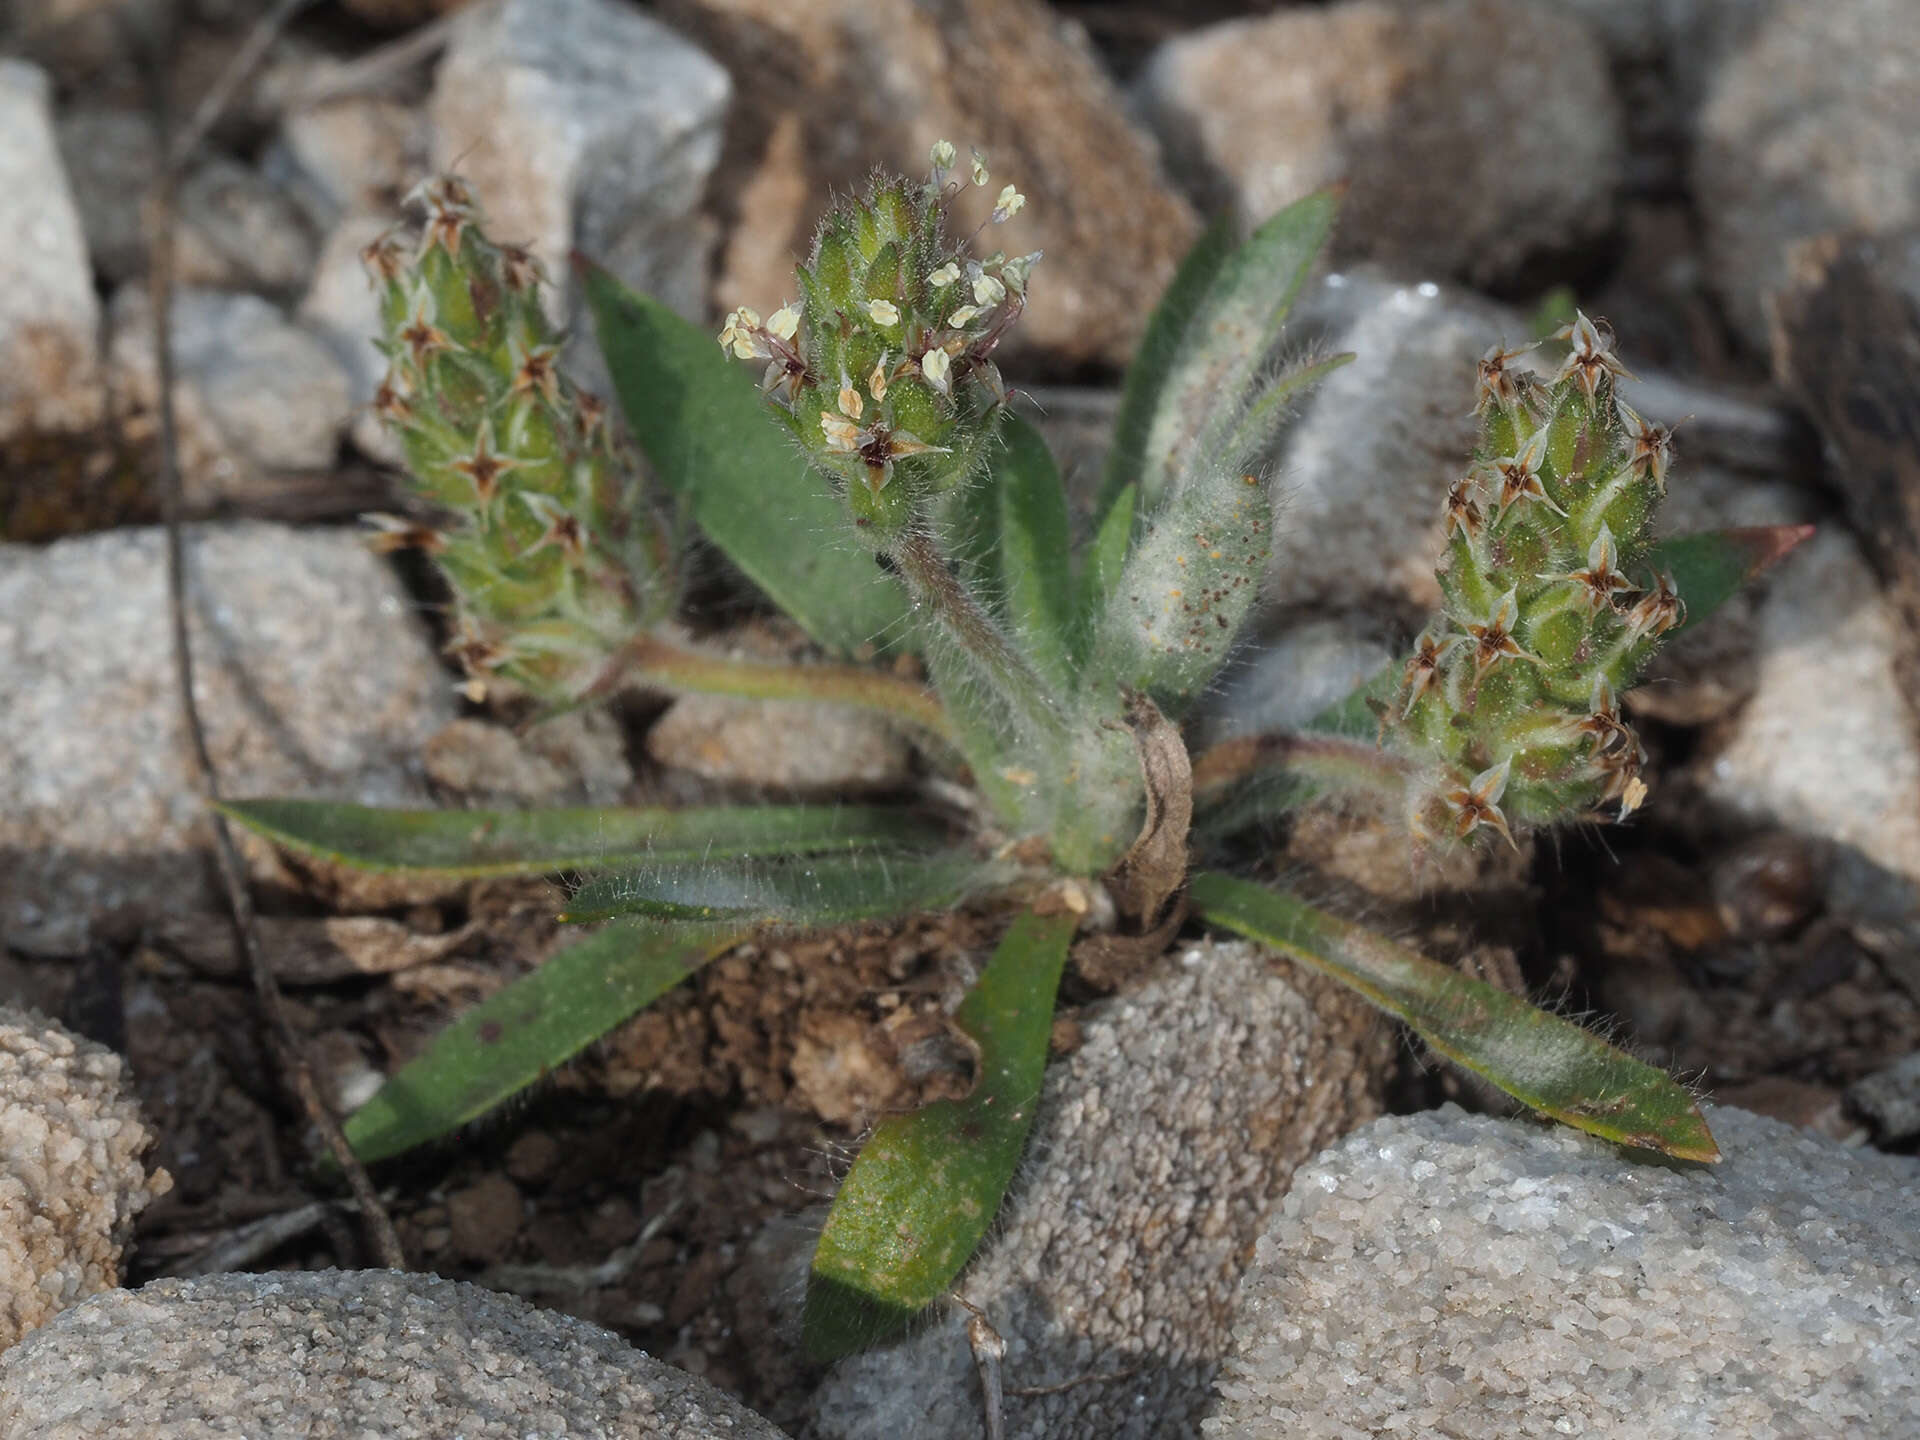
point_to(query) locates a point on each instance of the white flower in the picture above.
(979, 169)
(877, 381)
(962, 315)
(883, 312)
(784, 322)
(851, 405)
(1010, 204)
(988, 290)
(738, 334)
(841, 433)
(1016, 271)
(944, 276)
(937, 366)
(943, 156)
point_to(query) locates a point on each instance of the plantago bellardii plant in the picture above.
(893, 495)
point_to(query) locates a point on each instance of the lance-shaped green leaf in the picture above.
(1035, 548)
(519, 1034)
(1545, 1062)
(1709, 568)
(927, 1185)
(702, 423)
(1225, 345)
(801, 890)
(538, 842)
(1160, 349)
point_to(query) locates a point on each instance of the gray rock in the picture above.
(71, 1177)
(354, 156)
(343, 311)
(1462, 1275)
(254, 392)
(1291, 669)
(1809, 128)
(576, 758)
(49, 316)
(341, 1355)
(586, 123)
(788, 745)
(1825, 747)
(314, 678)
(1364, 467)
(1476, 135)
(1891, 1099)
(111, 157)
(828, 90)
(1161, 1144)
(239, 231)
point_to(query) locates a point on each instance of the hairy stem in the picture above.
(971, 628)
(1329, 761)
(650, 659)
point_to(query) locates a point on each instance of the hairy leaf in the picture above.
(1160, 349)
(1545, 1062)
(1225, 345)
(803, 890)
(519, 1034)
(1035, 548)
(927, 1185)
(1100, 567)
(539, 842)
(702, 423)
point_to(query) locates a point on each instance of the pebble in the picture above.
(340, 1355)
(314, 678)
(254, 392)
(589, 124)
(817, 108)
(49, 315)
(72, 1180)
(1459, 1274)
(1807, 128)
(1475, 136)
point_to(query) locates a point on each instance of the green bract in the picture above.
(870, 475)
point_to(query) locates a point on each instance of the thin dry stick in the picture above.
(238, 70)
(368, 72)
(385, 1241)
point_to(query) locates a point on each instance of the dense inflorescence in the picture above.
(884, 368)
(553, 557)
(1509, 706)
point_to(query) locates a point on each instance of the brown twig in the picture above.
(237, 71)
(385, 1241)
(366, 73)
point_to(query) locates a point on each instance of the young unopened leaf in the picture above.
(1226, 343)
(514, 1037)
(927, 1185)
(1160, 349)
(1544, 1062)
(539, 842)
(699, 418)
